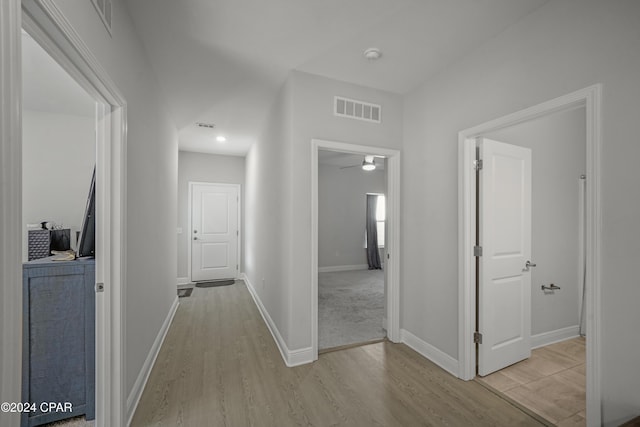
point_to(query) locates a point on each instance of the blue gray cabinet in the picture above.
(58, 357)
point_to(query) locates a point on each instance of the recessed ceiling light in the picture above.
(221, 138)
(372, 53)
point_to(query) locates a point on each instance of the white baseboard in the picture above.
(143, 376)
(183, 281)
(551, 337)
(298, 357)
(432, 353)
(291, 357)
(335, 268)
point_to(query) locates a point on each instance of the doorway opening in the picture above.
(351, 249)
(58, 228)
(555, 277)
(349, 263)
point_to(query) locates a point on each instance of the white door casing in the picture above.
(504, 296)
(392, 227)
(214, 231)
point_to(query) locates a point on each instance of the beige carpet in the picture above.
(350, 307)
(72, 422)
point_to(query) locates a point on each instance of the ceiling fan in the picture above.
(368, 164)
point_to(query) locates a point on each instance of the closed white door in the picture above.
(504, 310)
(214, 232)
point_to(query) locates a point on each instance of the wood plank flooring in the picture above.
(219, 366)
(551, 383)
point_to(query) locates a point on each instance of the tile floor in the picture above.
(551, 383)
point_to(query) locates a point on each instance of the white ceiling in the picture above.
(223, 61)
(47, 87)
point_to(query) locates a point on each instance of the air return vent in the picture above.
(104, 10)
(345, 107)
(205, 125)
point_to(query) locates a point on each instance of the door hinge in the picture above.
(237, 232)
(236, 266)
(477, 250)
(477, 338)
(477, 164)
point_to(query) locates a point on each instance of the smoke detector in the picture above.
(372, 53)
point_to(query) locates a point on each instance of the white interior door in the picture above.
(504, 310)
(214, 232)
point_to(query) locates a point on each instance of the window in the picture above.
(380, 218)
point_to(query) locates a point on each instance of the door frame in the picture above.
(190, 227)
(392, 244)
(46, 23)
(591, 99)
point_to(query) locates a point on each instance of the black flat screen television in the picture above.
(87, 240)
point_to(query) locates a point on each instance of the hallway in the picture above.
(219, 366)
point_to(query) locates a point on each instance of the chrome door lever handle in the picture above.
(527, 265)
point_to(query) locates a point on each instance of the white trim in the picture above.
(392, 263)
(101, 12)
(189, 227)
(143, 376)
(290, 357)
(430, 352)
(10, 208)
(466, 262)
(44, 21)
(184, 281)
(546, 338)
(298, 357)
(335, 268)
(590, 98)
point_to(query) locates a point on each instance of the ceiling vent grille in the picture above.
(205, 125)
(104, 9)
(345, 107)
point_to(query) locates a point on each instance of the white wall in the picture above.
(278, 188)
(58, 156)
(342, 211)
(561, 47)
(558, 150)
(313, 118)
(152, 176)
(267, 216)
(199, 167)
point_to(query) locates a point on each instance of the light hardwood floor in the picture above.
(551, 383)
(219, 366)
